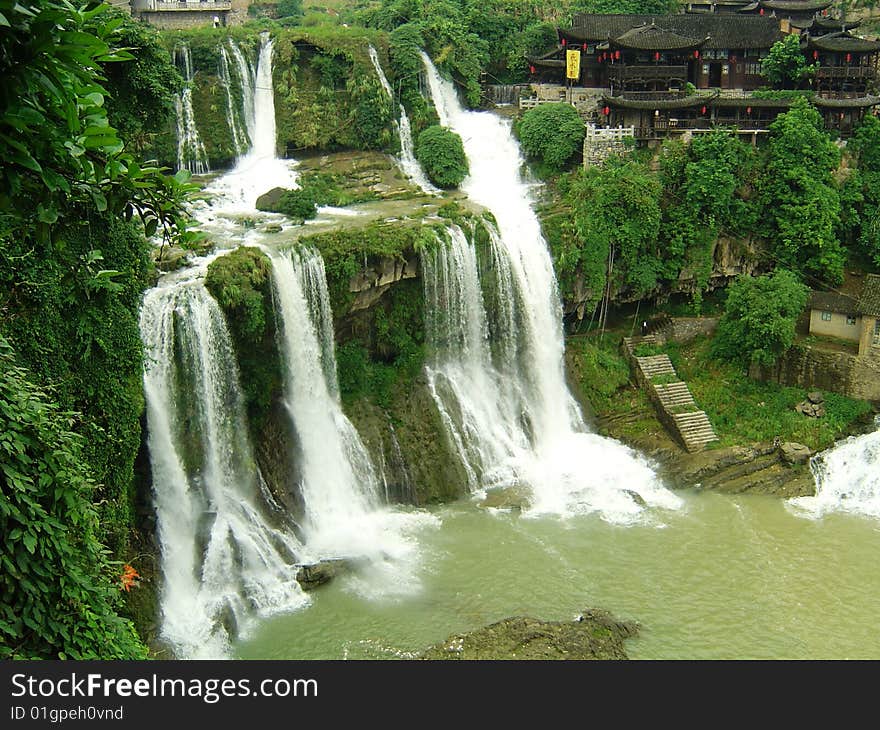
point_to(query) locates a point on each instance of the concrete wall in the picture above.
(685, 329)
(869, 342)
(183, 19)
(836, 326)
(837, 372)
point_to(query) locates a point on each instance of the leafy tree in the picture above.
(57, 597)
(614, 206)
(441, 153)
(785, 64)
(140, 98)
(801, 203)
(552, 133)
(289, 9)
(659, 7)
(862, 189)
(758, 324)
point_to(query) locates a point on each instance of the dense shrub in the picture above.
(441, 153)
(552, 134)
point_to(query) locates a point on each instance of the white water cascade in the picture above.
(847, 478)
(499, 380)
(343, 513)
(227, 549)
(240, 139)
(407, 161)
(260, 169)
(191, 154)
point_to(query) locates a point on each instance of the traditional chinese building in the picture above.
(670, 74)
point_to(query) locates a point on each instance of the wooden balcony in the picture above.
(647, 73)
(845, 72)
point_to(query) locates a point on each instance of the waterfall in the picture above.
(260, 169)
(542, 442)
(191, 153)
(224, 560)
(247, 81)
(407, 161)
(847, 478)
(240, 140)
(374, 57)
(344, 516)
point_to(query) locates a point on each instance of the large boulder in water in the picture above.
(269, 202)
(595, 634)
(312, 575)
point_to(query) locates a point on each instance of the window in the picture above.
(826, 316)
(877, 332)
(851, 319)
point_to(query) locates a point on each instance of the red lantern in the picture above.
(606, 111)
(531, 69)
(848, 57)
(748, 110)
(656, 55)
(696, 54)
(617, 55)
(703, 110)
(585, 47)
(563, 41)
(761, 11)
(815, 55)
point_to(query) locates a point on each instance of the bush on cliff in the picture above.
(553, 134)
(441, 153)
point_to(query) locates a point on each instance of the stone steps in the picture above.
(655, 365)
(673, 395)
(695, 429)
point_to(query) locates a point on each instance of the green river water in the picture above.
(724, 577)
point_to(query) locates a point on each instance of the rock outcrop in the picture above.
(595, 634)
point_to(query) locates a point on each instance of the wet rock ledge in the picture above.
(595, 634)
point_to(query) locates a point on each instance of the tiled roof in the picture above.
(682, 102)
(841, 43)
(723, 30)
(859, 101)
(869, 301)
(796, 6)
(829, 301)
(653, 37)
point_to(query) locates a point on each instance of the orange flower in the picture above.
(129, 577)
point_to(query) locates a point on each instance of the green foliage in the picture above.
(801, 204)
(70, 309)
(658, 7)
(601, 371)
(617, 207)
(298, 204)
(441, 153)
(860, 196)
(289, 9)
(56, 141)
(552, 133)
(758, 324)
(785, 64)
(140, 102)
(57, 598)
(241, 282)
(744, 411)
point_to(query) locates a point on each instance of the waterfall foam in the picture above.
(240, 139)
(344, 516)
(227, 550)
(847, 478)
(260, 169)
(507, 401)
(191, 154)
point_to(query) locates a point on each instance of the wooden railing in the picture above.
(623, 73)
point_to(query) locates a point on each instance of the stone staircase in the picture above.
(673, 399)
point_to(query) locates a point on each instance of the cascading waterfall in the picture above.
(343, 513)
(227, 552)
(542, 441)
(247, 81)
(847, 478)
(407, 160)
(191, 154)
(240, 139)
(260, 169)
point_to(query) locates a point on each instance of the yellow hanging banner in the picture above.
(573, 65)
